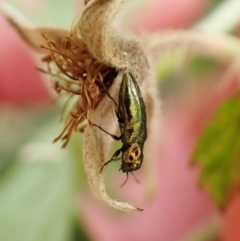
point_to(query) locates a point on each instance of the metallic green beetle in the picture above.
(132, 120)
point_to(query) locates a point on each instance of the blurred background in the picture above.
(43, 189)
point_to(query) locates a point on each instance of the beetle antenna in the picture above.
(137, 181)
(125, 180)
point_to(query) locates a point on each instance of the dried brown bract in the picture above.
(77, 73)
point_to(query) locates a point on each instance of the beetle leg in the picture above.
(109, 96)
(113, 158)
(113, 136)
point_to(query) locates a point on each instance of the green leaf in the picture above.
(218, 152)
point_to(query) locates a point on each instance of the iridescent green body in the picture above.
(132, 119)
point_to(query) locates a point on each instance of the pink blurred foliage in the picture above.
(20, 83)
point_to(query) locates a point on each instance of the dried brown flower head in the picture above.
(78, 73)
